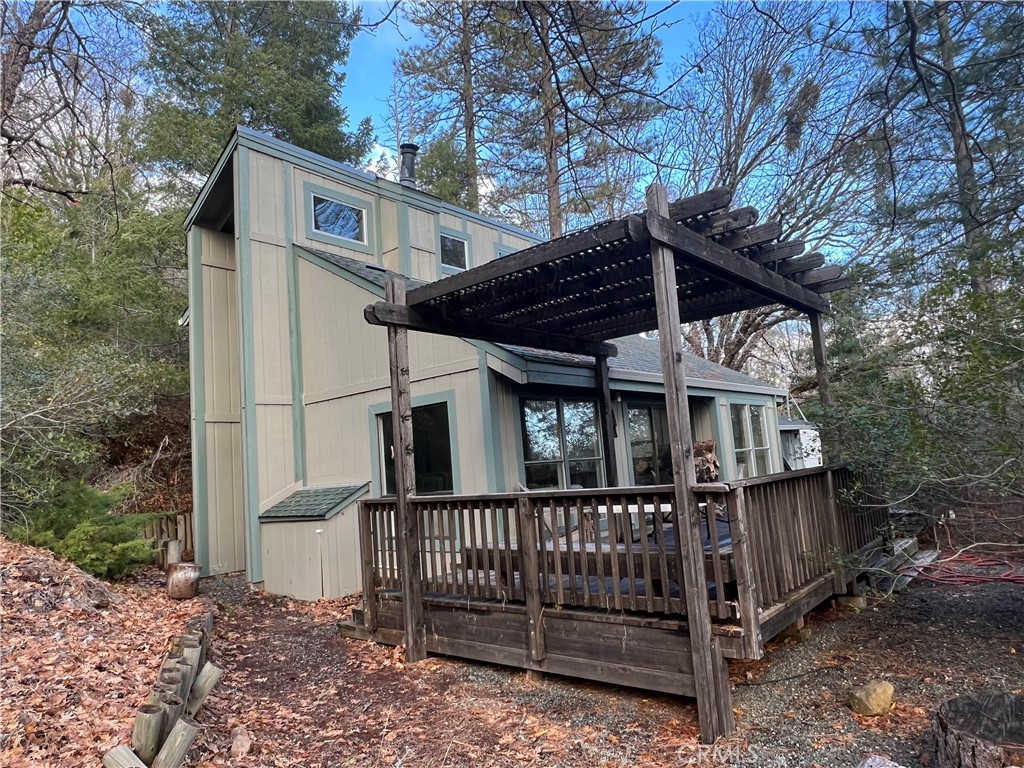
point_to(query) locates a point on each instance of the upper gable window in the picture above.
(333, 217)
(453, 254)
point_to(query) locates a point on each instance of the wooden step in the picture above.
(886, 563)
(908, 570)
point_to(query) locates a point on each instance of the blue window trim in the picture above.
(377, 409)
(458, 234)
(368, 208)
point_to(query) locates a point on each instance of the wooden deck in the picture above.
(589, 583)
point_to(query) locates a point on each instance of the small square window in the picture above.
(339, 219)
(453, 253)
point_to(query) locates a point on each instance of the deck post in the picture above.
(821, 373)
(367, 533)
(714, 701)
(746, 578)
(607, 420)
(832, 506)
(405, 481)
(530, 565)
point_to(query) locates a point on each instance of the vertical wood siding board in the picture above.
(254, 550)
(492, 440)
(200, 476)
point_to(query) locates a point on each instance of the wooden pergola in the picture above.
(678, 262)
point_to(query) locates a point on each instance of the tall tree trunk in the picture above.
(469, 110)
(966, 178)
(548, 102)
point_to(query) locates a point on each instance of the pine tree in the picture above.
(273, 66)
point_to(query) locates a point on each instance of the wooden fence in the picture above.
(170, 527)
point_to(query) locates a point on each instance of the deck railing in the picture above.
(609, 548)
(617, 548)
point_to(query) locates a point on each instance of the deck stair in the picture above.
(892, 569)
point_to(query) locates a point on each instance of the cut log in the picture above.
(183, 581)
(171, 660)
(205, 680)
(172, 677)
(983, 730)
(192, 651)
(173, 706)
(159, 690)
(149, 721)
(122, 757)
(188, 674)
(172, 753)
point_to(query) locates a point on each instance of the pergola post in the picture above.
(821, 373)
(607, 420)
(714, 702)
(405, 480)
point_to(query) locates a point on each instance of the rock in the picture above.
(872, 699)
(241, 742)
(875, 761)
(801, 635)
(856, 603)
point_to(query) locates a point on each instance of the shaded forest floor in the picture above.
(79, 656)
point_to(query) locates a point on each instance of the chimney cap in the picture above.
(408, 146)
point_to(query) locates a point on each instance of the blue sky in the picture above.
(373, 54)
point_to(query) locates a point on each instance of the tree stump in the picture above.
(983, 730)
(182, 580)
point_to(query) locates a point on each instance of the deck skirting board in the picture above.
(639, 655)
(794, 605)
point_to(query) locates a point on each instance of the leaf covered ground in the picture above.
(81, 656)
(78, 656)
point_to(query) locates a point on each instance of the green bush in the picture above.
(79, 526)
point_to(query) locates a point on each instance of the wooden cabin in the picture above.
(537, 502)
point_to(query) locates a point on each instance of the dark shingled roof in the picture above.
(318, 503)
(641, 355)
(372, 273)
(636, 353)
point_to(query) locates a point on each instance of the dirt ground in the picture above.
(310, 698)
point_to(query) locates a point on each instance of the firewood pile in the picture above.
(706, 461)
(165, 727)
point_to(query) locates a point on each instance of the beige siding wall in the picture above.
(508, 418)
(391, 256)
(222, 387)
(345, 372)
(226, 519)
(423, 258)
(270, 329)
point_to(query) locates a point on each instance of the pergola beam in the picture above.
(725, 223)
(598, 236)
(386, 314)
(721, 262)
(700, 205)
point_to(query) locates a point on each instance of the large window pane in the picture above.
(757, 429)
(739, 426)
(432, 449)
(338, 219)
(584, 474)
(580, 425)
(541, 476)
(763, 461)
(561, 443)
(453, 252)
(540, 430)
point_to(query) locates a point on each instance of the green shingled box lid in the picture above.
(319, 503)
